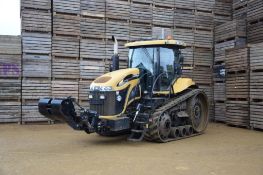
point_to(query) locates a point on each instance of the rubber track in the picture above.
(152, 134)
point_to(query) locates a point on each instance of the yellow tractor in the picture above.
(148, 100)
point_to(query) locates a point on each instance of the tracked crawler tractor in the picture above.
(149, 100)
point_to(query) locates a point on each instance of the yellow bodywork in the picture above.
(156, 42)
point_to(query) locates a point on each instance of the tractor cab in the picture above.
(160, 61)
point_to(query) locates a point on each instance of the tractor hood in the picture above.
(114, 81)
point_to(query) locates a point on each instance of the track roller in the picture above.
(182, 131)
(174, 132)
(189, 130)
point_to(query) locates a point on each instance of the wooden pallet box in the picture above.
(92, 27)
(141, 13)
(256, 56)
(70, 6)
(255, 32)
(36, 20)
(10, 45)
(237, 59)
(163, 17)
(208, 91)
(204, 20)
(10, 111)
(219, 91)
(140, 32)
(167, 4)
(35, 88)
(36, 4)
(92, 49)
(36, 43)
(65, 68)
(161, 32)
(237, 113)
(65, 24)
(63, 46)
(220, 19)
(256, 84)
(220, 111)
(63, 88)
(223, 8)
(256, 119)
(10, 89)
(188, 54)
(184, 18)
(230, 30)
(182, 4)
(120, 29)
(203, 38)
(30, 112)
(10, 66)
(35, 65)
(239, 3)
(239, 9)
(187, 71)
(203, 57)
(118, 9)
(91, 69)
(237, 85)
(254, 10)
(204, 5)
(93, 8)
(185, 35)
(202, 75)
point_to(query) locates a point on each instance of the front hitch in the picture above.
(64, 110)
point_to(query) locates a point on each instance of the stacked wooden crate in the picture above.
(92, 45)
(255, 21)
(222, 11)
(237, 86)
(228, 35)
(239, 8)
(36, 59)
(256, 86)
(118, 24)
(65, 49)
(10, 79)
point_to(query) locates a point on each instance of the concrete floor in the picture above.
(58, 150)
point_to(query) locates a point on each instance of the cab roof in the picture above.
(156, 43)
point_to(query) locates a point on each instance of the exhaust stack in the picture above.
(115, 57)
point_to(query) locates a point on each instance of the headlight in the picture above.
(119, 98)
(102, 97)
(90, 96)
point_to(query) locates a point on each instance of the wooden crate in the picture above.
(220, 48)
(219, 91)
(204, 20)
(237, 85)
(254, 10)
(36, 20)
(120, 29)
(65, 24)
(239, 9)
(30, 112)
(188, 54)
(10, 45)
(204, 5)
(161, 32)
(140, 31)
(185, 35)
(91, 69)
(256, 85)
(84, 89)
(203, 38)
(123, 51)
(93, 8)
(65, 68)
(239, 4)
(255, 32)
(69, 6)
(223, 8)
(166, 4)
(36, 4)
(203, 57)
(237, 113)
(63, 46)
(220, 111)
(36, 43)
(35, 65)
(92, 49)
(163, 16)
(35, 88)
(184, 18)
(118, 9)
(208, 91)
(202, 75)
(92, 27)
(10, 66)
(10, 111)
(220, 19)
(256, 56)
(141, 13)
(237, 59)
(187, 71)
(230, 30)
(64, 88)
(10, 89)
(256, 119)
(189, 4)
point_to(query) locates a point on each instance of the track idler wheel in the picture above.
(165, 126)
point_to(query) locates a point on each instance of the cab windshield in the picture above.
(157, 61)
